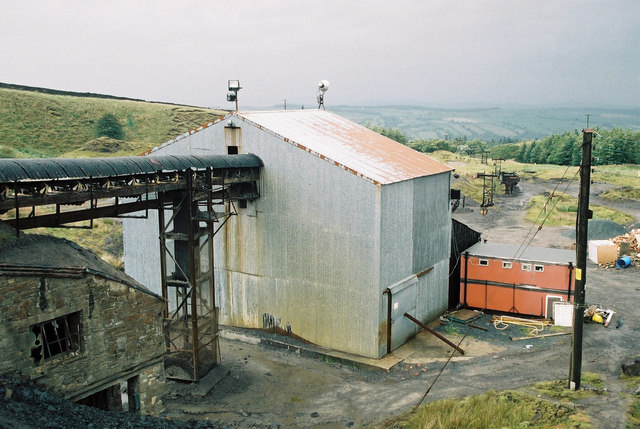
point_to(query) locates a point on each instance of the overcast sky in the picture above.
(428, 52)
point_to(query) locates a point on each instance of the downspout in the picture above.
(569, 286)
(387, 291)
(466, 267)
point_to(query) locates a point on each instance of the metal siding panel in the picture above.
(129, 166)
(54, 171)
(196, 162)
(119, 165)
(71, 166)
(144, 164)
(432, 296)
(34, 168)
(98, 167)
(142, 250)
(315, 242)
(416, 230)
(170, 163)
(11, 171)
(156, 163)
(431, 221)
(396, 232)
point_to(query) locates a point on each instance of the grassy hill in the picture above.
(37, 124)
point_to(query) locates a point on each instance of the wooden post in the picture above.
(582, 222)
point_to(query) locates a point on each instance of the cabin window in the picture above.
(526, 267)
(538, 268)
(59, 337)
(507, 264)
(483, 262)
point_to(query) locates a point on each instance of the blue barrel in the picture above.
(623, 262)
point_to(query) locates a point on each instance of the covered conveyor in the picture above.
(191, 194)
(30, 183)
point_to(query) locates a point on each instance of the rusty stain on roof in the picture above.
(348, 145)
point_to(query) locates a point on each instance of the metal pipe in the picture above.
(569, 285)
(466, 268)
(191, 227)
(387, 291)
(426, 328)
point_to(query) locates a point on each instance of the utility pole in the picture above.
(582, 222)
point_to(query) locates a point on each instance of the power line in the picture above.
(540, 214)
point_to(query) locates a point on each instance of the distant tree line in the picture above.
(458, 145)
(614, 146)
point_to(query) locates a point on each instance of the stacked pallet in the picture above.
(629, 241)
(628, 245)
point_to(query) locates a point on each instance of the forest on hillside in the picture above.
(613, 146)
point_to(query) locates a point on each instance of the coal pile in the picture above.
(599, 229)
(25, 406)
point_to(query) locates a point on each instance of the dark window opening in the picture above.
(232, 150)
(242, 204)
(58, 337)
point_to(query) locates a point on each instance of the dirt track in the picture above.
(272, 387)
(269, 387)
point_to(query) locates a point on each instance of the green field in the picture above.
(560, 210)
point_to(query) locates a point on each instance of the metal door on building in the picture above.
(403, 300)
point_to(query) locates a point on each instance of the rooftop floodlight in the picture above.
(323, 86)
(234, 87)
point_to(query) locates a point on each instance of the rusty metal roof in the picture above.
(346, 144)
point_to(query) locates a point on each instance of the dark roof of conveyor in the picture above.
(19, 169)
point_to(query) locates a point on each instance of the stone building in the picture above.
(77, 326)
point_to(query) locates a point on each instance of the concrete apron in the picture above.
(423, 348)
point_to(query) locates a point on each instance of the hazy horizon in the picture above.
(574, 53)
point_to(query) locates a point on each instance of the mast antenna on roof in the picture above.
(323, 86)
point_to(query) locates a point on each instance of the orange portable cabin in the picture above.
(507, 278)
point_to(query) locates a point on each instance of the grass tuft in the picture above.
(506, 409)
(560, 210)
(591, 384)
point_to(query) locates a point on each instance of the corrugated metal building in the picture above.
(344, 215)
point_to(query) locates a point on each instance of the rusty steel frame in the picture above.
(191, 328)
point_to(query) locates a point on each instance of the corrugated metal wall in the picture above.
(315, 252)
(303, 255)
(415, 236)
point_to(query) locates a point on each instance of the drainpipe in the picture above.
(569, 286)
(466, 267)
(387, 292)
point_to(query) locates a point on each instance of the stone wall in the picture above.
(121, 335)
